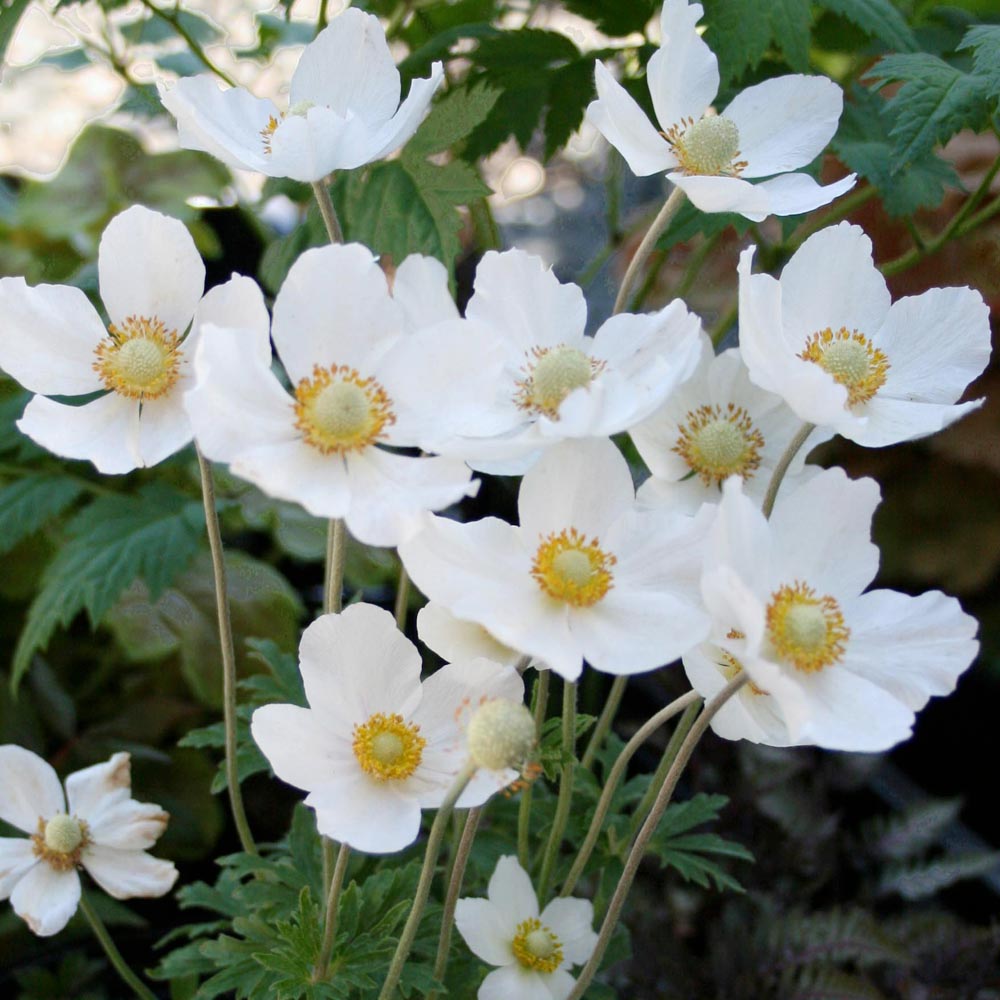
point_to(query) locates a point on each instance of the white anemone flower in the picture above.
(828, 339)
(96, 825)
(361, 376)
(54, 343)
(534, 950)
(453, 639)
(585, 576)
(376, 745)
(767, 130)
(716, 425)
(343, 110)
(556, 382)
(828, 664)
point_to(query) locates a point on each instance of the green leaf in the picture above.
(791, 21)
(921, 881)
(10, 14)
(26, 504)
(878, 18)
(616, 19)
(984, 41)
(451, 120)
(737, 34)
(153, 30)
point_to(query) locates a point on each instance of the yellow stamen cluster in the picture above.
(706, 148)
(806, 631)
(731, 667)
(60, 841)
(719, 442)
(553, 374)
(339, 411)
(851, 359)
(570, 568)
(536, 947)
(267, 132)
(387, 747)
(138, 359)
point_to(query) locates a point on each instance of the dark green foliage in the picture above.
(878, 18)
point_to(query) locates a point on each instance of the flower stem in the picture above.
(638, 261)
(561, 817)
(541, 704)
(335, 885)
(782, 467)
(402, 599)
(434, 839)
(604, 721)
(137, 986)
(336, 551)
(173, 19)
(329, 213)
(689, 701)
(648, 829)
(228, 653)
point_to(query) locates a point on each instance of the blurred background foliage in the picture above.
(874, 877)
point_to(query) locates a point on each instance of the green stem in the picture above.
(402, 599)
(694, 266)
(565, 800)
(334, 887)
(655, 231)
(434, 839)
(329, 213)
(782, 467)
(689, 701)
(138, 987)
(178, 27)
(228, 653)
(648, 829)
(604, 721)
(541, 704)
(336, 553)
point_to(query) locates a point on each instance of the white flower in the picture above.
(104, 830)
(343, 112)
(54, 343)
(827, 338)
(375, 745)
(453, 639)
(828, 664)
(534, 951)
(585, 576)
(716, 425)
(556, 382)
(766, 131)
(361, 376)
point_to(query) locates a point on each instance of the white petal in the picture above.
(559, 984)
(148, 266)
(512, 982)
(16, 857)
(484, 930)
(128, 825)
(164, 427)
(237, 303)
(796, 194)
(89, 791)
(683, 74)
(740, 540)
(724, 194)
(511, 892)
(50, 334)
(29, 789)
(302, 748)
(571, 920)
(453, 639)
(624, 124)
(128, 874)
(309, 147)
(420, 288)
(407, 119)
(45, 899)
(889, 421)
(785, 122)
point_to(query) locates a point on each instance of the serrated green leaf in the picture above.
(737, 34)
(790, 26)
(26, 504)
(616, 19)
(921, 881)
(984, 40)
(451, 120)
(878, 18)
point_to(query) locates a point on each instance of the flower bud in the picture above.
(501, 734)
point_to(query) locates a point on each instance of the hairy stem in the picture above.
(138, 987)
(782, 467)
(402, 599)
(604, 721)
(329, 213)
(334, 886)
(541, 704)
(565, 800)
(336, 552)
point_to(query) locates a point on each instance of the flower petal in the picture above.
(302, 747)
(89, 791)
(511, 892)
(796, 194)
(128, 874)
(454, 639)
(238, 303)
(407, 119)
(164, 426)
(683, 74)
(889, 421)
(571, 920)
(723, 194)
(420, 288)
(29, 788)
(46, 899)
(16, 857)
(484, 930)
(309, 147)
(512, 982)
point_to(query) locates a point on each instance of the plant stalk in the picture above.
(541, 704)
(604, 721)
(334, 887)
(565, 800)
(329, 213)
(134, 983)
(782, 467)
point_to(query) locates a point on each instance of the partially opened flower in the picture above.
(828, 664)
(96, 825)
(343, 109)
(768, 130)
(586, 576)
(376, 745)
(828, 339)
(534, 950)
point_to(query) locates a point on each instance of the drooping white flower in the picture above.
(453, 639)
(343, 111)
(534, 950)
(716, 425)
(556, 382)
(828, 664)
(586, 576)
(768, 130)
(96, 825)
(828, 339)
(362, 376)
(376, 745)
(54, 343)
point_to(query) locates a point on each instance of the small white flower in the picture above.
(361, 375)
(556, 382)
(376, 745)
(343, 112)
(104, 830)
(585, 576)
(534, 951)
(716, 425)
(828, 664)
(767, 130)
(453, 639)
(828, 339)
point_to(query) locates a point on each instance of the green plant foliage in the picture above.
(984, 42)
(28, 504)
(878, 18)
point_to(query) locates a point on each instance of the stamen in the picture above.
(535, 947)
(387, 748)
(718, 443)
(339, 411)
(708, 147)
(806, 631)
(554, 374)
(731, 667)
(139, 359)
(570, 568)
(60, 841)
(851, 359)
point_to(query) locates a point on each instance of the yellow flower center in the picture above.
(339, 411)
(267, 132)
(387, 748)
(572, 569)
(851, 359)
(718, 443)
(536, 947)
(805, 630)
(554, 374)
(139, 359)
(708, 147)
(60, 841)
